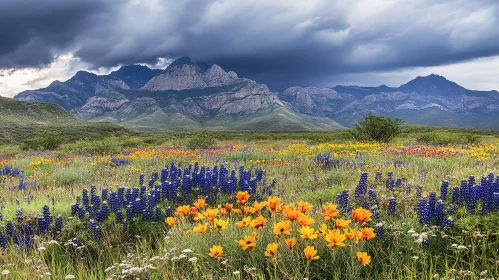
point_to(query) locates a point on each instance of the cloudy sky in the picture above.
(279, 42)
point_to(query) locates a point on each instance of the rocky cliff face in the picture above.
(182, 96)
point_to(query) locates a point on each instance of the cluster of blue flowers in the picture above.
(119, 161)
(173, 185)
(21, 234)
(469, 195)
(8, 170)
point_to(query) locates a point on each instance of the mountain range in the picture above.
(189, 96)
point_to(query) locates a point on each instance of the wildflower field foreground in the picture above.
(253, 210)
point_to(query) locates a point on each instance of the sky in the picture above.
(280, 42)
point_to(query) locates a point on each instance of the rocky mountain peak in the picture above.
(179, 62)
(216, 76)
(433, 85)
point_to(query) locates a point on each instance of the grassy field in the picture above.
(372, 211)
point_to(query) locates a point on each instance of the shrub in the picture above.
(379, 128)
(44, 141)
(201, 140)
(95, 147)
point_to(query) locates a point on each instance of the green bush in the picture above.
(379, 128)
(201, 140)
(44, 141)
(95, 147)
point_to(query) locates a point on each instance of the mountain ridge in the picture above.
(199, 96)
(182, 96)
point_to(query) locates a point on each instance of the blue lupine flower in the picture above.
(19, 214)
(58, 224)
(449, 222)
(423, 212)
(439, 214)
(432, 201)
(9, 229)
(444, 190)
(379, 230)
(426, 242)
(419, 191)
(391, 206)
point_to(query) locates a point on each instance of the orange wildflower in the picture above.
(304, 207)
(201, 203)
(282, 228)
(216, 251)
(290, 242)
(363, 258)
(290, 213)
(171, 221)
(361, 215)
(310, 253)
(368, 233)
(335, 238)
(210, 214)
(271, 250)
(330, 211)
(308, 233)
(183, 210)
(258, 206)
(258, 222)
(248, 241)
(341, 223)
(350, 233)
(273, 203)
(201, 228)
(244, 222)
(242, 197)
(305, 220)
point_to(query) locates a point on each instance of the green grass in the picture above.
(392, 256)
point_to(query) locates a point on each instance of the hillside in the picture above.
(23, 120)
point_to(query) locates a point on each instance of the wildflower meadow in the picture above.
(283, 209)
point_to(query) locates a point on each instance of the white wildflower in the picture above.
(461, 247)
(42, 248)
(5, 272)
(415, 257)
(237, 272)
(436, 275)
(193, 259)
(153, 258)
(483, 272)
(411, 231)
(109, 269)
(187, 251)
(69, 276)
(182, 256)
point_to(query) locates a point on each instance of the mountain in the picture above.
(184, 96)
(430, 100)
(23, 120)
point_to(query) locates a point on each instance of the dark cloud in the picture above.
(32, 32)
(277, 42)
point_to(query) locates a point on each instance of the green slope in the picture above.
(21, 120)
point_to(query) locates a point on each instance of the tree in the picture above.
(379, 128)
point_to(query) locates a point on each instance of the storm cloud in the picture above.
(281, 42)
